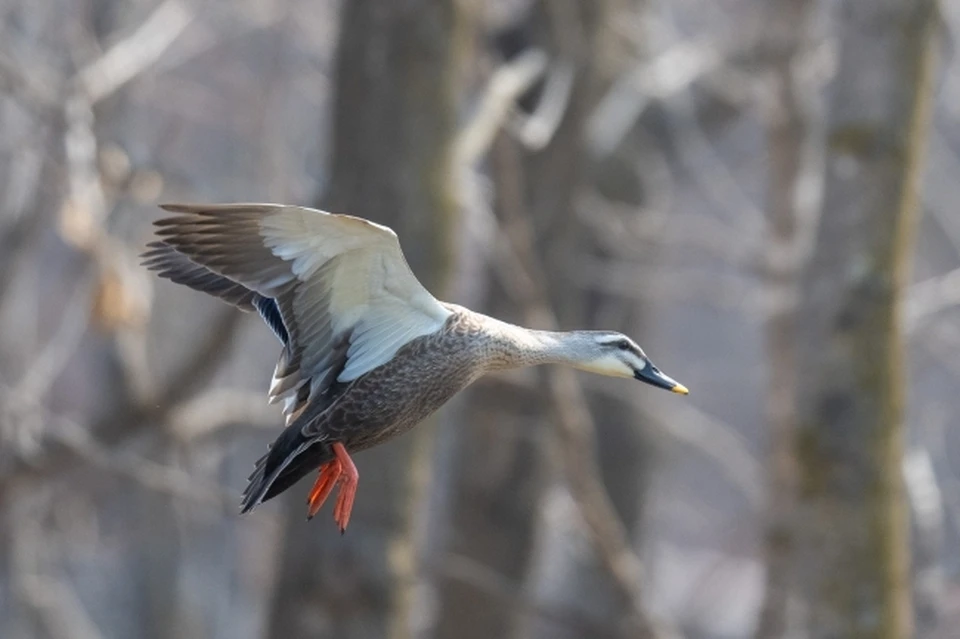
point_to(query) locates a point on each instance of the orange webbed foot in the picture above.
(340, 470)
(349, 478)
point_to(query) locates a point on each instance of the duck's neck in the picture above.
(517, 347)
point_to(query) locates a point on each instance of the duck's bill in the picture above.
(652, 375)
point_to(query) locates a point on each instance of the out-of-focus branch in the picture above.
(146, 472)
(930, 297)
(82, 224)
(14, 242)
(627, 234)
(102, 77)
(849, 531)
(928, 514)
(483, 579)
(50, 361)
(48, 605)
(86, 206)
(186, 380)
(129, 57)
(28, 202)
(718, 441)
(506, 85)
(35, 88)
(709, 170)
(577, 441)
(632, 280)
(56, 458)
(682, 422)
(665, 75)
(206, 414)
(536, 130)
(59, 608)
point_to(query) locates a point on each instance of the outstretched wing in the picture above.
(346, 296)
(163, 259)
(170, 264)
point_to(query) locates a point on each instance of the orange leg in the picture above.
(339, 470)
(326, 480)
(348, 490)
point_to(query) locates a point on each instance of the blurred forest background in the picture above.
(762, 192)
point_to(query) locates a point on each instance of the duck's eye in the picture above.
(623, 345)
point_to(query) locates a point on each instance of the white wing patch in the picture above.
(377, 339)
(309, 238)
(356, 278)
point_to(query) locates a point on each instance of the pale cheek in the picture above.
(608, 366)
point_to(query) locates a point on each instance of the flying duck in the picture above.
(367, 351)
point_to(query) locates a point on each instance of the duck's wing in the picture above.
(345, 293)
(170, 264)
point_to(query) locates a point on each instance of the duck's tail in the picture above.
(291, 456)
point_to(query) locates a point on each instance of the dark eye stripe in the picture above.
(624, 345)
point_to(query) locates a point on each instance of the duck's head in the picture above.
(616, 355)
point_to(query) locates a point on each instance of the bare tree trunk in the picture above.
(393, 124)
(851, 527)
(566, 573)
(502, 442)
(787, 248)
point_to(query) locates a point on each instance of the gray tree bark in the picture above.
(782, 41)
(393, 122)
(565, 572)
(502, 443)
(851, 522)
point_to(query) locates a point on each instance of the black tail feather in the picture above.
(291, 456)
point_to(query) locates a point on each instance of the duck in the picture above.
(367, 352)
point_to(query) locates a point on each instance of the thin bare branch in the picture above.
(685, 423)
(716, 440)
(35, 88)
(536, 130)
(480, 577)
(132, 55)
(148, 473)
(627, 234)
(47, 365)
(631, 280)
(55, 458)
(59, 608)
(930, 297)
(29, 203)
(145, 472)
(205, 414)
(664, 76)
(506, 85)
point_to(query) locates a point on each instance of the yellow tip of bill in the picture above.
(680, 389)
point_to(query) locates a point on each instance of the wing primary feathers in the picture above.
(172, 265)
